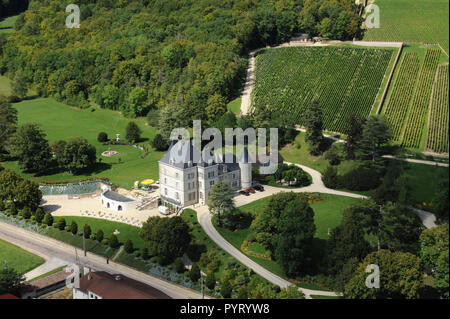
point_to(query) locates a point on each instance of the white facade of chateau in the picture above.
(184, 183)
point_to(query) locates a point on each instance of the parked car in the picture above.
(259, 188)
(250, 190)
(244, 192)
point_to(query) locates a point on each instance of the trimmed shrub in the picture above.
(74, 228)
(105, 242)
(113, 241)
(39, 215)
(48, 219)
(26, 213)
(102, 137)
(194, 273)
(100, 236)
(61, 223)
(87, 231)
(128, 247)
(179, 266)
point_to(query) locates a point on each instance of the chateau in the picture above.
(184, 182)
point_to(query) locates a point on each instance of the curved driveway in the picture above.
(204, 218)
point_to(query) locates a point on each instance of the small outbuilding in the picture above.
(114, 201)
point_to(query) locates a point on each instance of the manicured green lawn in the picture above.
(60, 121)
(297, 152)
(235, 106)
(424, 181)
(109, 227)
(17, 258)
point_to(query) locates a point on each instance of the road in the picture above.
(46, 246)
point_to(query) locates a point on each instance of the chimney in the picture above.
(89, 277)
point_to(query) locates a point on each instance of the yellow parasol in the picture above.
(147, 182)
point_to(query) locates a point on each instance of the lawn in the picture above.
(235, 106)
(423, 21)
(109, 227)
(17, 258)
(327, 215)
(424, 181)
(297, 152)
(60, 121)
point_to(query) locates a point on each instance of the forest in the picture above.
(135, 56)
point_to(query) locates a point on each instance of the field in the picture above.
(17, 258)
(417, 88)
(345, 81)
(60, 121)
(437, 135)
(424, 21)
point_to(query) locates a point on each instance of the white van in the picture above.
(163, 210)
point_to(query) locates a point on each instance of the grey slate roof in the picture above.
(117, 197)
(182, 152)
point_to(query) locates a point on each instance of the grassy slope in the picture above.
(412, 21)
(17, 258)
(60, 121)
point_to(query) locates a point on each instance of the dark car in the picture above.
(259, 188)
(244, 192)
(250, 190)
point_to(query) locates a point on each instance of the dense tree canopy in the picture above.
(400, 277)
(31, 148)
(135, 56)
(168, 237)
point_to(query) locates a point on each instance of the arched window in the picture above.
(119, 208)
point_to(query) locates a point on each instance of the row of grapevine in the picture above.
(344, 80)
(437, 136)
(396, 107)
(416, 118)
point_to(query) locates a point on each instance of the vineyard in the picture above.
(345, 81)
(416, 118)
(402, 91)
(437, 136)
(420, 21)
